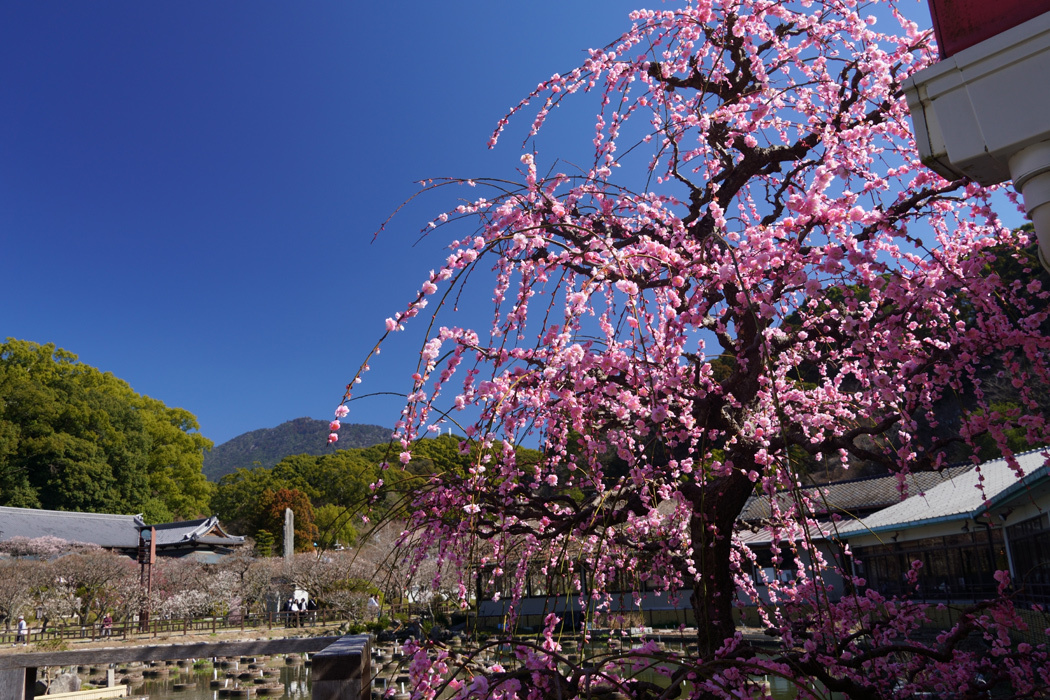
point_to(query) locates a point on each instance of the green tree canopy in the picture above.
(339, 481)
(75, 438)
(335, 526)
(338, 487)
(237, 500)
(272, 506)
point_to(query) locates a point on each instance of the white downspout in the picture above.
(982, 113)
(1030, 169)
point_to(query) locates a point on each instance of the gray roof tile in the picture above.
(965, 496)
(98, 528)
(110, 531)
(856, 496)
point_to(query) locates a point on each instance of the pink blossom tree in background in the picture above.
(780, 282)
(100, 580)
(44, 547)
(17, 579)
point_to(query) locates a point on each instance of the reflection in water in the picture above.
(776, 687)
(210, 683)
(295, 680)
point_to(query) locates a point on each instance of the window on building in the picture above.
(1030, 550)
(954, 567)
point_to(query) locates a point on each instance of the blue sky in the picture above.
(189, 191)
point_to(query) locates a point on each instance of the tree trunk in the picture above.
(711, 528)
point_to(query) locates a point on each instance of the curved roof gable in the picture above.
(205, 530)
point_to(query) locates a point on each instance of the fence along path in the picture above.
(129, 629)
(341, 665)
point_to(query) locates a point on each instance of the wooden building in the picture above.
(203, 539)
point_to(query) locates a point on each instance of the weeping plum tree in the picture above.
(789, 284)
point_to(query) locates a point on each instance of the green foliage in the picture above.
(175, 459)
(338, 485)
(268, 446)
(237, 499)
(334, 526)
(340, 479)
(272, 507)
(53, 644)
(438, 456)
(75, 438)
(264, 542)
(338, 488)
(156, 511)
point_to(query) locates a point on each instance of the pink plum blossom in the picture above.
(783, 284)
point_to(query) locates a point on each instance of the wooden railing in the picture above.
(156, 627)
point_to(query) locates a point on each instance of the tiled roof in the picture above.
(855, 496)
(97, 528)
(764, 535)
(105, 530)
(185, 531)
(205, 530)
(966, 496)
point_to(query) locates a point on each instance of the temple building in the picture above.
(992, 517)
(963, 524)
(204, 540)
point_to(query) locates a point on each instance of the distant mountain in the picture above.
(268, 446)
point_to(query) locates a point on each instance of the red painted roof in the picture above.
(959, 24)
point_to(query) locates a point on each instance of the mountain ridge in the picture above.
(266, 447)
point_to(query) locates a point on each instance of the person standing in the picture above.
(23, 631)
(107, 625)
(293, 612)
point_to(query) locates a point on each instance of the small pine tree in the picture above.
(264, 543)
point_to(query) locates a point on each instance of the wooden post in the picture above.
(14, 682)
(147, 557)
(343, 671)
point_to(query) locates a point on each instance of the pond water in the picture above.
(777, 688)
(285, 681)
(162, 682)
